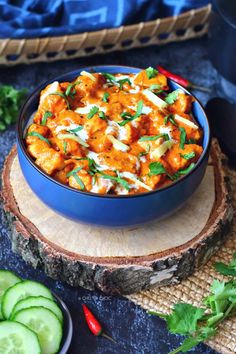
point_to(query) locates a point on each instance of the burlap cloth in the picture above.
(196, 287)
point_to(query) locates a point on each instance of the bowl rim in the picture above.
(66, 312)
(20, 140)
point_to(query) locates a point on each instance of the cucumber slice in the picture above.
(21, 291)
(36, 301)
(7, 279)
(45, 324)
(17, 338)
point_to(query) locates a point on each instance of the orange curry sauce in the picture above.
(114, 134)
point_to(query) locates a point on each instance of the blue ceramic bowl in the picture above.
(109, 210)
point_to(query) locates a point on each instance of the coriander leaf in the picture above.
(79, 181)
(46, 115)
(71, 173)
(156, 168)
(202, 335)
(128, 116)
(183, 172)
(187, 344)
(143, 153)
(11, 100)
(105, 97)
(139, 109)
(92, 112)
(172, 97)
(227, 269)
(61, 95)
(38, 135)
(154, 137)
(76, 177)
(110, 78)
(64, 147)
(80, 127)
(155, 87)
(170, 118)
(188, 156)
(151, 72)
(123, 81)
(184, 318)
(190, 141)
(102, 115)
(119, 180)
(69, 91)
(182, 137)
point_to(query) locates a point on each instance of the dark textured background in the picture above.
(135, 331)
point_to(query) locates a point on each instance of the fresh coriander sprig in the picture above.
(11, 100)
(40, 136)
(182, 137)
(199, 324)
(154, 137)
(128, 117)
(105, 97)
(170, 118)
(227, 269)
(172, 97)
(188, 156)
(76, 177)
(46, 115)
(151, 72)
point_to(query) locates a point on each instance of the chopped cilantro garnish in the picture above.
(156, 168)
(61, 95)
(123, 81)
(46, 115)
(40, 136)
(128, 116)
(154, 87)
(182, 137)
(76, 177)
(92, 112)
(183, 172)
(80, 127)
(188, 156)
(105, 97)
(118, 179)
(154, 137)
(65, 147)
(172, 97)
(70, 91)
(102, 115)
(143, 153)
(110, 78)
(151, 72)
(170, 118)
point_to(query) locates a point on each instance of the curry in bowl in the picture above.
(114, 133)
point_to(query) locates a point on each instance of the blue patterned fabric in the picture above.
(42, 18)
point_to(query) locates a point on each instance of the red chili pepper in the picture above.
(93, 324)
(181, 80)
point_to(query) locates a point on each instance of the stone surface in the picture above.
(135, 331)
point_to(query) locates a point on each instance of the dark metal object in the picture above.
(222, 38)
(222, 117)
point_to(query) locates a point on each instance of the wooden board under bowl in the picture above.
(118, 261)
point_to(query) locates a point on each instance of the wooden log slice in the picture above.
(113, 260)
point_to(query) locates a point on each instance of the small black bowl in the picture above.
(67, 326)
